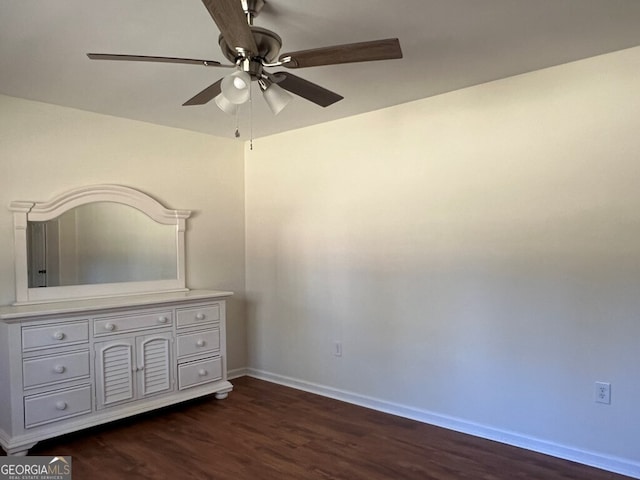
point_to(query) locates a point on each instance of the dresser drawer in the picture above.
(197, 373)
(45, 336)
(207, 341)
(55, 368)
(128, 323)
(198, 315)
(41, 409)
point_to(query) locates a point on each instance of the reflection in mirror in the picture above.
(100, 242)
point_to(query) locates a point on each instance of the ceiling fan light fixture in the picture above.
(276, 97)
(236, 87)
(225, 105)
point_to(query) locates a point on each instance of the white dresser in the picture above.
(73, 364)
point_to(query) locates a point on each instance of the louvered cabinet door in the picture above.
(115, 372)
(154, 366)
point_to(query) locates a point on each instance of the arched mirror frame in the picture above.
(25, 211)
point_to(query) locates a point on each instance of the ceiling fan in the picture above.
(253, 49)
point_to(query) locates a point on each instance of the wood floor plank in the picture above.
(265, 431)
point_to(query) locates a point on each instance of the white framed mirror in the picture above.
(94, 241)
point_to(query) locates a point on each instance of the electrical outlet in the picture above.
(603, 392)
(337, 349)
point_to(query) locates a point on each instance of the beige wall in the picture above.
(45, 150)
(476, 253)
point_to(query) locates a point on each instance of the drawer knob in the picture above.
(60, 405)
(59, 335)
(163, 319)
(200, 316)
(202, 372)
(200, 343)
(59, 369)
(109, 326)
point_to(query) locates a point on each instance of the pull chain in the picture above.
(250, 117)
(237, 132)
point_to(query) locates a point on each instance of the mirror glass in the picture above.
(100, 242)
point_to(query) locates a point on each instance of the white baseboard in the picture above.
(237, 373)
(592, 459)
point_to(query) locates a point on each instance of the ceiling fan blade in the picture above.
(205, 95)
(146, 58)
(306, 89)
(346, 53)
(232, 23)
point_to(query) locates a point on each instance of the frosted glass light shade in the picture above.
(277, 98)
(225, 105)
(236, 87)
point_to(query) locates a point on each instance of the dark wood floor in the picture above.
(265, 431)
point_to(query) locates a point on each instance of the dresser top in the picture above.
(18, 312)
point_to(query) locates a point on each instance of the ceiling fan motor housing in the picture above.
(269, 44)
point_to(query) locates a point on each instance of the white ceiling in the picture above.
(447, 45)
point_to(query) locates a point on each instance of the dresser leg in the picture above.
(222, 395)
(20, 451)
